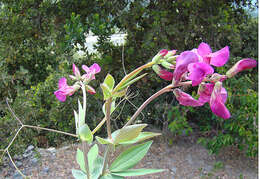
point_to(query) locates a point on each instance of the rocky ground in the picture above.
(183, 160)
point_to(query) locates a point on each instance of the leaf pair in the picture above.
(95, 163)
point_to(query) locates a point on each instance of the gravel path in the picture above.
(183, 160)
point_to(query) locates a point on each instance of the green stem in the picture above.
(106, 157)
(151, 98)
(108, 109)
(85, 152)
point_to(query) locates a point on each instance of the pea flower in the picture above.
(212, 93)
(217, 101)
(162, 73)
(186, 99)
(76, 73)
(91, 71)
(240, 66)
(198, 71)
(182, 62)
(65, 90)
(218, 58)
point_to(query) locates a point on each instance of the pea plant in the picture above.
(193, 67)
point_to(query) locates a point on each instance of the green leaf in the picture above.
(127, 78)
(97, 167)
(81, 115)
(130, 157)
(92, 155)
(106, 91)
(119, 93)
(110, 82)
(112, 109)
(78, 174)
(127, 133)
(141, 137)
(103, 141)
(109, 176)
(85, 133)
(131, 82)
(137, 172)
(80, 159)
(76, 121)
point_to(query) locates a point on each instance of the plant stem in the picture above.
(85, 152)
(106, 157)
(52, 130)
(84, 99)
(151, 98)
(108, 109)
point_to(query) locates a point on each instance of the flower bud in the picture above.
(172, 59)
(167, 65)
(157, 58)
(217, 77)
(170, 53)
(90, 90)
(164, 74)
(240, 66)
(76, 71)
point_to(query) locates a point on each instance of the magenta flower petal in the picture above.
(220, 57)
(182, 62)
(62, 82)
(240, 66)
(198, 71)
(60, 95)
(162, 73)
(186, 99)
(91, 71)
(75, 70)
(204, 50)
(217, 101)
(205, 90)
(95, 68)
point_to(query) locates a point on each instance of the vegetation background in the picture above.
(40, 40)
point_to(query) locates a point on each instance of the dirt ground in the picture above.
(184, 159)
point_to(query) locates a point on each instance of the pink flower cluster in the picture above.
(196, 65)
(66, 90)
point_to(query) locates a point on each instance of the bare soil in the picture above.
(184, 159)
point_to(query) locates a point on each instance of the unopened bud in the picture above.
(217, 77)
(170, 53)
(90, 90)
(167, 65)
(240, 66)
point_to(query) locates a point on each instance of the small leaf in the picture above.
(85, 133)
(119, 93)
(127, 133)
(92, 155)
(142, 136)
(130, 157)
(76, 121)
(80, 159)
(137, 172)
(78, 174)
(109, 81)
(81, 115)
(109, 176)
(112, 109)
(103, 141)
(131, 82)
(106, 91)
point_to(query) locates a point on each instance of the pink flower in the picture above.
(76, 72)
(64, 90)
(217, 101)
(217, 59)
(182, 62)
(198, 71)
(240, 66)
(186, 99)
(162, 73)
(91, 71)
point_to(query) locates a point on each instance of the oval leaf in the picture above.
(85, 133)
(142, 136)
(109, 81)
(78, 174)
(130, 157)
(137, 172)
(127, 133)
(80, 159)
